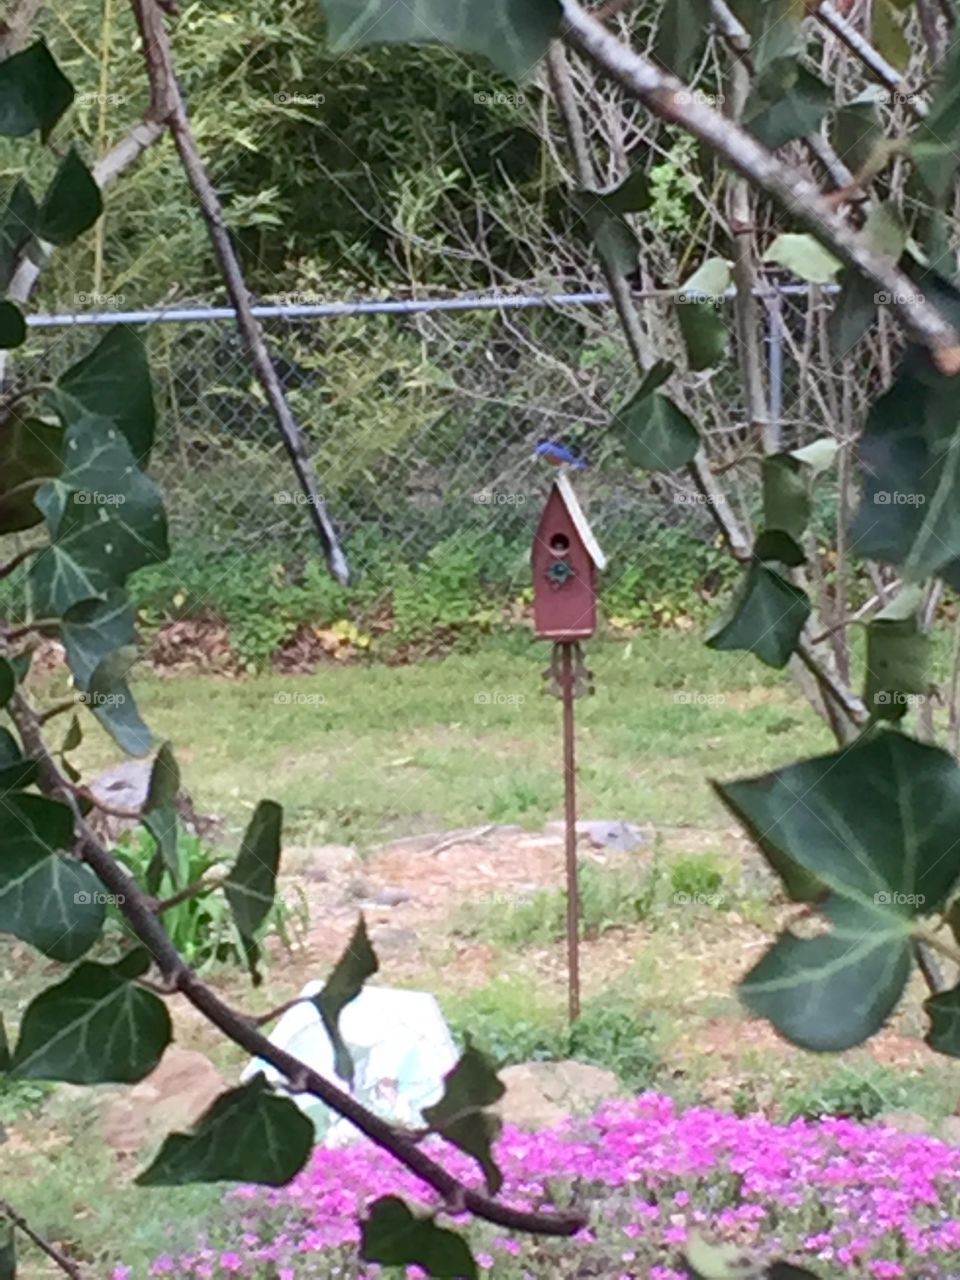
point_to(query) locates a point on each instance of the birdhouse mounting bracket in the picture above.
(582, 682)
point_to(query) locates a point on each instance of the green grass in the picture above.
(360, 753)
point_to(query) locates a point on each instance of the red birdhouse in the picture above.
(565, 559)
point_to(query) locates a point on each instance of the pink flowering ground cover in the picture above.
(842, 1198)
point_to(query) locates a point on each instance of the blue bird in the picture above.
(558, 455)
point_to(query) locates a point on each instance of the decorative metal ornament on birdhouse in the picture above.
(566, 559)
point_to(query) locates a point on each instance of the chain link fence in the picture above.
(422, 418)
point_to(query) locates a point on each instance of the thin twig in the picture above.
(198, 889)
(671, 100)
(12, 565)
(871, 58)
(168, 108)
(63, 1262)
(84, 793)
(138, 910)
(625, 305)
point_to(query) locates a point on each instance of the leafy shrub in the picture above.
(506, 1021)
(697, 876)
(610, 898)
(859, 1094)
(202, 928)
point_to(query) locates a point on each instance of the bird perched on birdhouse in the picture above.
(566, 558)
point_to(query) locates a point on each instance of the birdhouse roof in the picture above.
(580, 522)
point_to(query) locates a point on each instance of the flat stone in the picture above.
(171, 1098)
(950, 1130)
(388, 897)
(542, 1094)
(613, 834)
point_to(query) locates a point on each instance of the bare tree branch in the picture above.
(63, 1262)
(668, 98)
(168, 108)
(139, 911)
(871, 58)
(699, 469)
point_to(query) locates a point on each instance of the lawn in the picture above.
(364, 755)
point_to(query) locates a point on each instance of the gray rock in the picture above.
(950, 1130)
(613, 834)
(388, 897)
(542, 1094)
(125, 786)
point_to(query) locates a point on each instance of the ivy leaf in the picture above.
(249, 1134)
(394, 1237)
(682, 36)
(944, 1013)
(514, 34)
(835, 990)
(355, 966)
(856, 308)
(95, 1027)
(704, 332)
(633, 195)
(30, 454)
(767, 618)
(788, 102)
(16, 229)
(113, 382)
(711, 280)
(34, 93)
(8, 682)
(13, 327)
(460, 1117)
(774, 28)
(875, 826)
(72, 204)
(160, 810)
(934, 148)
(910, 451)
(774, 544)
(612, 236)
(818, 455)
(252, 883)
(100, 642)
(803, 256)
(51, 902)
(104, 515)
(8, 1253)
(787, 504)
(887, 35)
(16, 771)
(898, 656)
(72, 738)
(657, 435)
(856, 133)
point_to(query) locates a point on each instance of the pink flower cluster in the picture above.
(839, 1197)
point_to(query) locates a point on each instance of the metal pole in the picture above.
(570, 814)
(775, 364)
